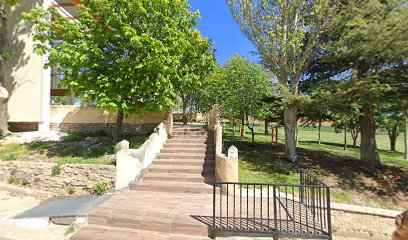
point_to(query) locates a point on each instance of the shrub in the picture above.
(56, 170)
(70, 229)
(71, 190)
(100, 189)
(10, 157)
(14, 180)
(13, 172)
(25, 182)
(37, 179)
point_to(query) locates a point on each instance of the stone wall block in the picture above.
(37, 175)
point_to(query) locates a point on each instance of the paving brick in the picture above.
(177, 188)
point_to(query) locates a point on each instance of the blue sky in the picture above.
(217, 24)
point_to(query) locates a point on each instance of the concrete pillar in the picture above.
(44, 124)
(233, 164)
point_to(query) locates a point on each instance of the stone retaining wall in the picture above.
(74, 179)
(131, 129)
(353, 225)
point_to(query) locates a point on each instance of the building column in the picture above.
(44, 124)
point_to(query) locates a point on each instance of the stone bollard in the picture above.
(233, 152)
(122, 146)
(232, 165)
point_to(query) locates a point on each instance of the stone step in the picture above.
(189, 129)
(188, 136)
(182, 169)
(135, 226)
(190, 141)
(181, 179)
(188, 150)
(187, 162)
(186, 145)
(185, 156)
(178, 175)
(177, 132)
(172, 187)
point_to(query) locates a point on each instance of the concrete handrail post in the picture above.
(218, 138)
(226, 167)
(169, 121)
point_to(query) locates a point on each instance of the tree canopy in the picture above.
(287, 35)
(126, 55)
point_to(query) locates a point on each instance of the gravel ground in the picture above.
(12, 204)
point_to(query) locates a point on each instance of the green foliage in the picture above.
(100, 189)
(14, 180)
(125, 55)
(56, 170)
(13, 177)
(136, 141)
(237, 88)
(25, 182)
(71, 190)
(367, 49)
(71, 229)
(11, 152)
(286, 38)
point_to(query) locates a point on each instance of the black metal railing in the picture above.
(275, 209)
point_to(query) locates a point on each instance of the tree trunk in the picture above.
(184, 117)
(393, 134)
(117, 135)
(72, 97)
(318, 131)
(252, 129)
(406, 135)
(354, 136)
(233, 127)
(242, 127)
(297, 134)
(290, 119)
(3, 118)
(266, 126)
(368, 149)
(345, 138)
(3, 42)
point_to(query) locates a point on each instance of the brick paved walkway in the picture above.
(169, 201)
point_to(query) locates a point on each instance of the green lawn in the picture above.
(75, 148)
(352, 181)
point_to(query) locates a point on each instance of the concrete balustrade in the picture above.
(131, 164)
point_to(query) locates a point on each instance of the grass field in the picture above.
(75, 148)
(352, 180)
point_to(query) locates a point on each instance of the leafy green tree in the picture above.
(247, 83)
(3, 44)
(316, 110)
(237, 88)
(287, 35)
(124, 54)
(197, 62)
(370, 36)
(396, 99)
(392, 121)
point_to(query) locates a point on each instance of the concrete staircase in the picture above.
(186, 161)
(176, 188)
